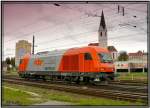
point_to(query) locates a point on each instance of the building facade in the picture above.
(138, 59)
(22, 47)
(122, 64)
(114, 52)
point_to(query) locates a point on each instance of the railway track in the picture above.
(130, 82)
(116, 85)
(120, 82)
(131, 86)
(87, 90)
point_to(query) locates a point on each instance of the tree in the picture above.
(123, 56)
(12, 61)
(3, 63)
(8, 62)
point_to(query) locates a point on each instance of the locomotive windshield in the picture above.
(105, 57)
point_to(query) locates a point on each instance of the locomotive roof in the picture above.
(61, 52)
(97, 48)
(49, 53)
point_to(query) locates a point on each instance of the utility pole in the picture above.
(33, 45)
(118, 8)
(123, 11)
(143, 62)
(129, 67)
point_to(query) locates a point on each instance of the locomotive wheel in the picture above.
(111, 78)
(37, 77)
(92, 81)
(67, 79)
(43, 77)
(102, 79)
(21, 75)
(62, 78)
(51, 78)
(86, 80)
(26, 77)
(78, 80)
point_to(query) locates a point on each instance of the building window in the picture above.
(113, 56)
(87, 56)
(101, 34)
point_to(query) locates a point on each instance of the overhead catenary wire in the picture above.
(121, 36)
(21, 36)
(41, 18)
(116, 18)
(117, 37)
(70, 8)
(66, 45)
(26, 25)
(65, 36)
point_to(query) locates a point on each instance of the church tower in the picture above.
(102, 32)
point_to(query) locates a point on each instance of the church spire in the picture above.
(102, 32)
(102, 22)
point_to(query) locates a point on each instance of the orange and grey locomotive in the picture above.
(91, 63)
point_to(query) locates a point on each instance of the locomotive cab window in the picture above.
(105, 57)
(87, 56)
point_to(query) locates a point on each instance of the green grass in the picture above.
(88, 100)
(133, 76)
(22, 98)
(11, 72)
(17, 97)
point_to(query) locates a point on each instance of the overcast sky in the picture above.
(74, 25)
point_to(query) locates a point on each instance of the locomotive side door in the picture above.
(87, 62)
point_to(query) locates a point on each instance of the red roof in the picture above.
(139, 53)
(93, 44)
(112, 49)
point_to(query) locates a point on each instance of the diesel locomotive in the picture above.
(89, 63)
